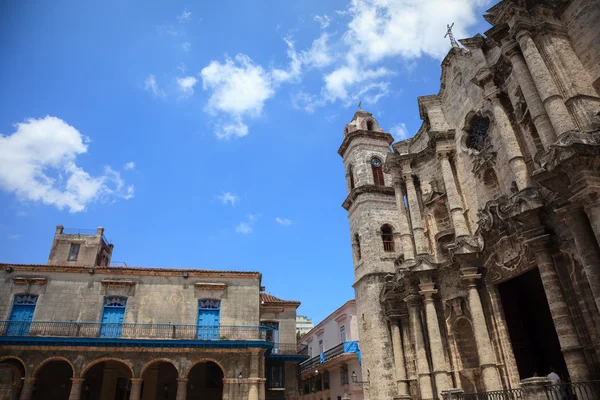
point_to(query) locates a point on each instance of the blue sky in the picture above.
(205, 134)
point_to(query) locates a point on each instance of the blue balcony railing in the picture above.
(132, 331)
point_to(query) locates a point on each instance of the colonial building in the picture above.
(333, 371)
(475, 243)
(303, 324)
(77, 328)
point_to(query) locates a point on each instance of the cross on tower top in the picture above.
(451, 36)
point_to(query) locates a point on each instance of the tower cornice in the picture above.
(385, 190)
(360, 133)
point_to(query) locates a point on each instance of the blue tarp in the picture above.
(352, 347)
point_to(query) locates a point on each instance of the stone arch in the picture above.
(462, 330)
(158, 360)
(99, 360)
(201, 360)
(491, 184)
(54, 358)
(370, 124)
(4, 358)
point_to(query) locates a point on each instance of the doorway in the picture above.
(534, 341)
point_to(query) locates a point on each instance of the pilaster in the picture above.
(423, 371)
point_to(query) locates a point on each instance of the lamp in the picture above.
(354, 376)
(360, 383)
(316, 372)
(240, 377)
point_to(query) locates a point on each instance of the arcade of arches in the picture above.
(107, 378)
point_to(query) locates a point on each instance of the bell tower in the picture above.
(375, 242)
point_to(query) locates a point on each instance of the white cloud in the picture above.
(318, 55)
(184, 16)
(246, 227)
(323, 21)
(348, 82)
(151, 86)
(283, 221)
(295, 68)
(399, 131)
(406, 28)
(239, 88)
(129, 166)
(38, 163)
(230, 198)
(186, 46)
(186, 85)
(302, 100)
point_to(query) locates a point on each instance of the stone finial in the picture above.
(99, 231)
(59, 229)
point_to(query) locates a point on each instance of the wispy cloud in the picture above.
(229, 198)
(15, 236)
(283, 221)
(323, 21)
(151, 86)
(186, 46)
(247, 226)
(399, 131)
(129, 166)
(185, 16)
(38, 162)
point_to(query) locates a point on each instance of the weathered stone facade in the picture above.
(476, 255)
(164, 346)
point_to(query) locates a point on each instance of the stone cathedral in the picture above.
(476, 242)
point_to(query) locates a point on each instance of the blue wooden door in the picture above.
(208, 319)
(113, 316)
(21, 315)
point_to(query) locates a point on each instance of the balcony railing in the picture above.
(289, 348)
(328, 355)
(132, 331)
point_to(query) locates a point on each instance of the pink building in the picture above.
(333, 370)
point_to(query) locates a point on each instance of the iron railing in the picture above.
(587, 390)
(508, 394)
(326, 356)
(289, 348)
(83, 232)
(132, 330)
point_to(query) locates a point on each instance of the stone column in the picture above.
(182, 389)
(399, 362)
(536, 108)
(580, 96)
(407, 243)
(587, 246)
(423, 371)
(438, 359)
(261, 388)
(27, 391)
(454, 201)
(76, 388)
(563, 323)
(485, 351)
(136, 389)
(254, 377)
(415, 216)
(551, 99)
(407, 347)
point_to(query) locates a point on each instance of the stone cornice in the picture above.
(117, 282)
(384, 190)
(210, 286)
(129, 271)
(360, 133)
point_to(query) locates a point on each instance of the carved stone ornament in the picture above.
(509, 259)
(503, 210)
(572, 145)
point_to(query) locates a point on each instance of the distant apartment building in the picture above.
(303, 324)
(77, 328)
(333, 370)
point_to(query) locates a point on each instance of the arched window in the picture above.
(369, 125)
(351, 177)
(387, 236)
(377, 167)
(357, 246)
(478, 132)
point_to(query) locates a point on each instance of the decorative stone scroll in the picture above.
(503, 210)
(117, 283)
(29, 280)
(210, 286)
